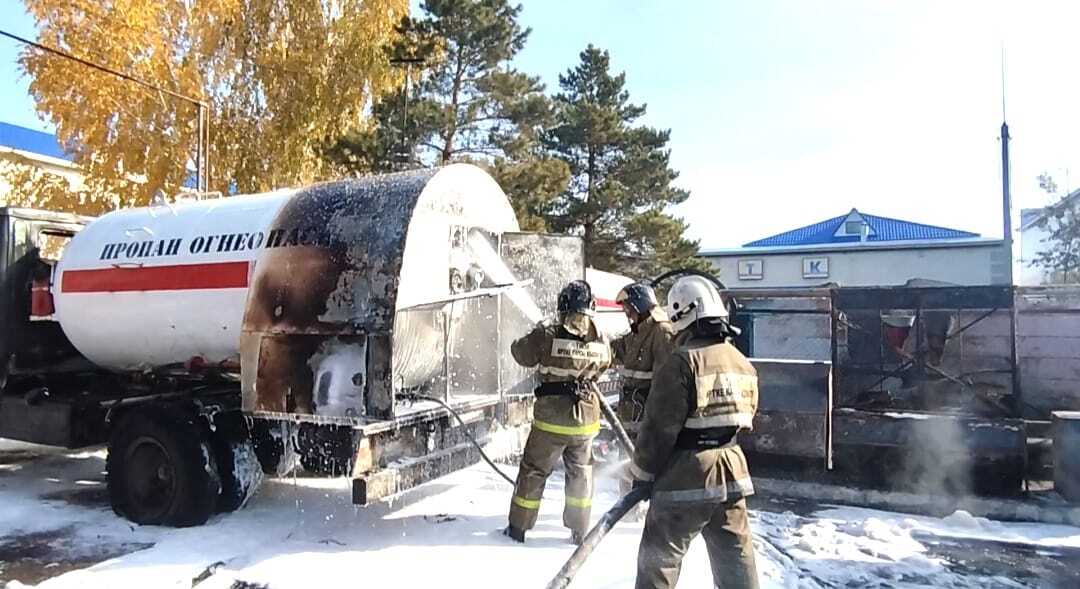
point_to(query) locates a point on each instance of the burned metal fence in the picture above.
(937, 349)
(926, 387)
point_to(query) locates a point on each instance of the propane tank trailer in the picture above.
(208, 342)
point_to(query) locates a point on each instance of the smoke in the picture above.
(938, 461)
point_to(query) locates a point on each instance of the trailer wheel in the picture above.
(161, 471)
(238, 466)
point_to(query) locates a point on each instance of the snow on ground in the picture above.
(304, 532)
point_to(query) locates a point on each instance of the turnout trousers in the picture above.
(669, 528)
(630, 411)
(542, 451)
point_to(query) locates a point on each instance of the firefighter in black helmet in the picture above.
(569, 356)
(638, 354)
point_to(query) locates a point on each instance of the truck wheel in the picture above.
(238, 466)
(161, 471)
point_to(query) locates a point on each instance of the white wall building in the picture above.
(858, 249)
(20, 146)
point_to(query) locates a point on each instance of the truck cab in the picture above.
(34, 352)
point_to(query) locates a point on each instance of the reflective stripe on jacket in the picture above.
(560, 356)
(641, 351)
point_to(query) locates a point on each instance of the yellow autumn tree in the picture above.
(283, 78)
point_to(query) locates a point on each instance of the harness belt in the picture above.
(572, 388)
(707, 439)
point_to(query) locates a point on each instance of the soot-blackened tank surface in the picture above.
(319, 322)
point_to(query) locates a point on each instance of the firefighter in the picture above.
(569, 357)
(688, 456)
(639, 353)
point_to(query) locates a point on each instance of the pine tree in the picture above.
(621, 178)
(468, 104)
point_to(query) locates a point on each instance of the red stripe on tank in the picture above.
(208, 276)
(607, 303)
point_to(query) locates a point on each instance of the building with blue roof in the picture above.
(20, 146)
(859, 249)
(43, 150)
(849, 228)
(31, 142)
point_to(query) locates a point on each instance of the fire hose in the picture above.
(605, 408)
(628, 501)
(592, 539)
(607, 521)
(613, 421)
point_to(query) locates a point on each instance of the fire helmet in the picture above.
(576, 297)
(692, 298)
(638, 296)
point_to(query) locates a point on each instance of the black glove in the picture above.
(640, 484)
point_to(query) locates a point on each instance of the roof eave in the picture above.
(854, 246)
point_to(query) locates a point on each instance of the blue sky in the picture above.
(786, 112)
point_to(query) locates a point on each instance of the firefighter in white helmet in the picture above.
(687, 451)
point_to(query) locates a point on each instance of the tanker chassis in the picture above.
(208, 342)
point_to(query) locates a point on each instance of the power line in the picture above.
(102, 68)
(202, 166)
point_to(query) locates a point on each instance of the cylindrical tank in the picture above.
(156, 286)
(146, 287)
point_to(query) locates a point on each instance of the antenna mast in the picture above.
(1006, 193)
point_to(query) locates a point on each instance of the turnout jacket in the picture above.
(706, 390)
(641, 351)
(562, 357)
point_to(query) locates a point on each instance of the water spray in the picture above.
(489, 260)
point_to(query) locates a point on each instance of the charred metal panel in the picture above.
(550, 261)
(1066, 435)
(794, 408)
(930, 432)
(925, 349)
(961, 297)
(387, 277)
(434, 445)
(379, 399)
(331, 268)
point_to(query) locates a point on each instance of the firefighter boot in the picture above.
(516, 534)
(576, 538)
